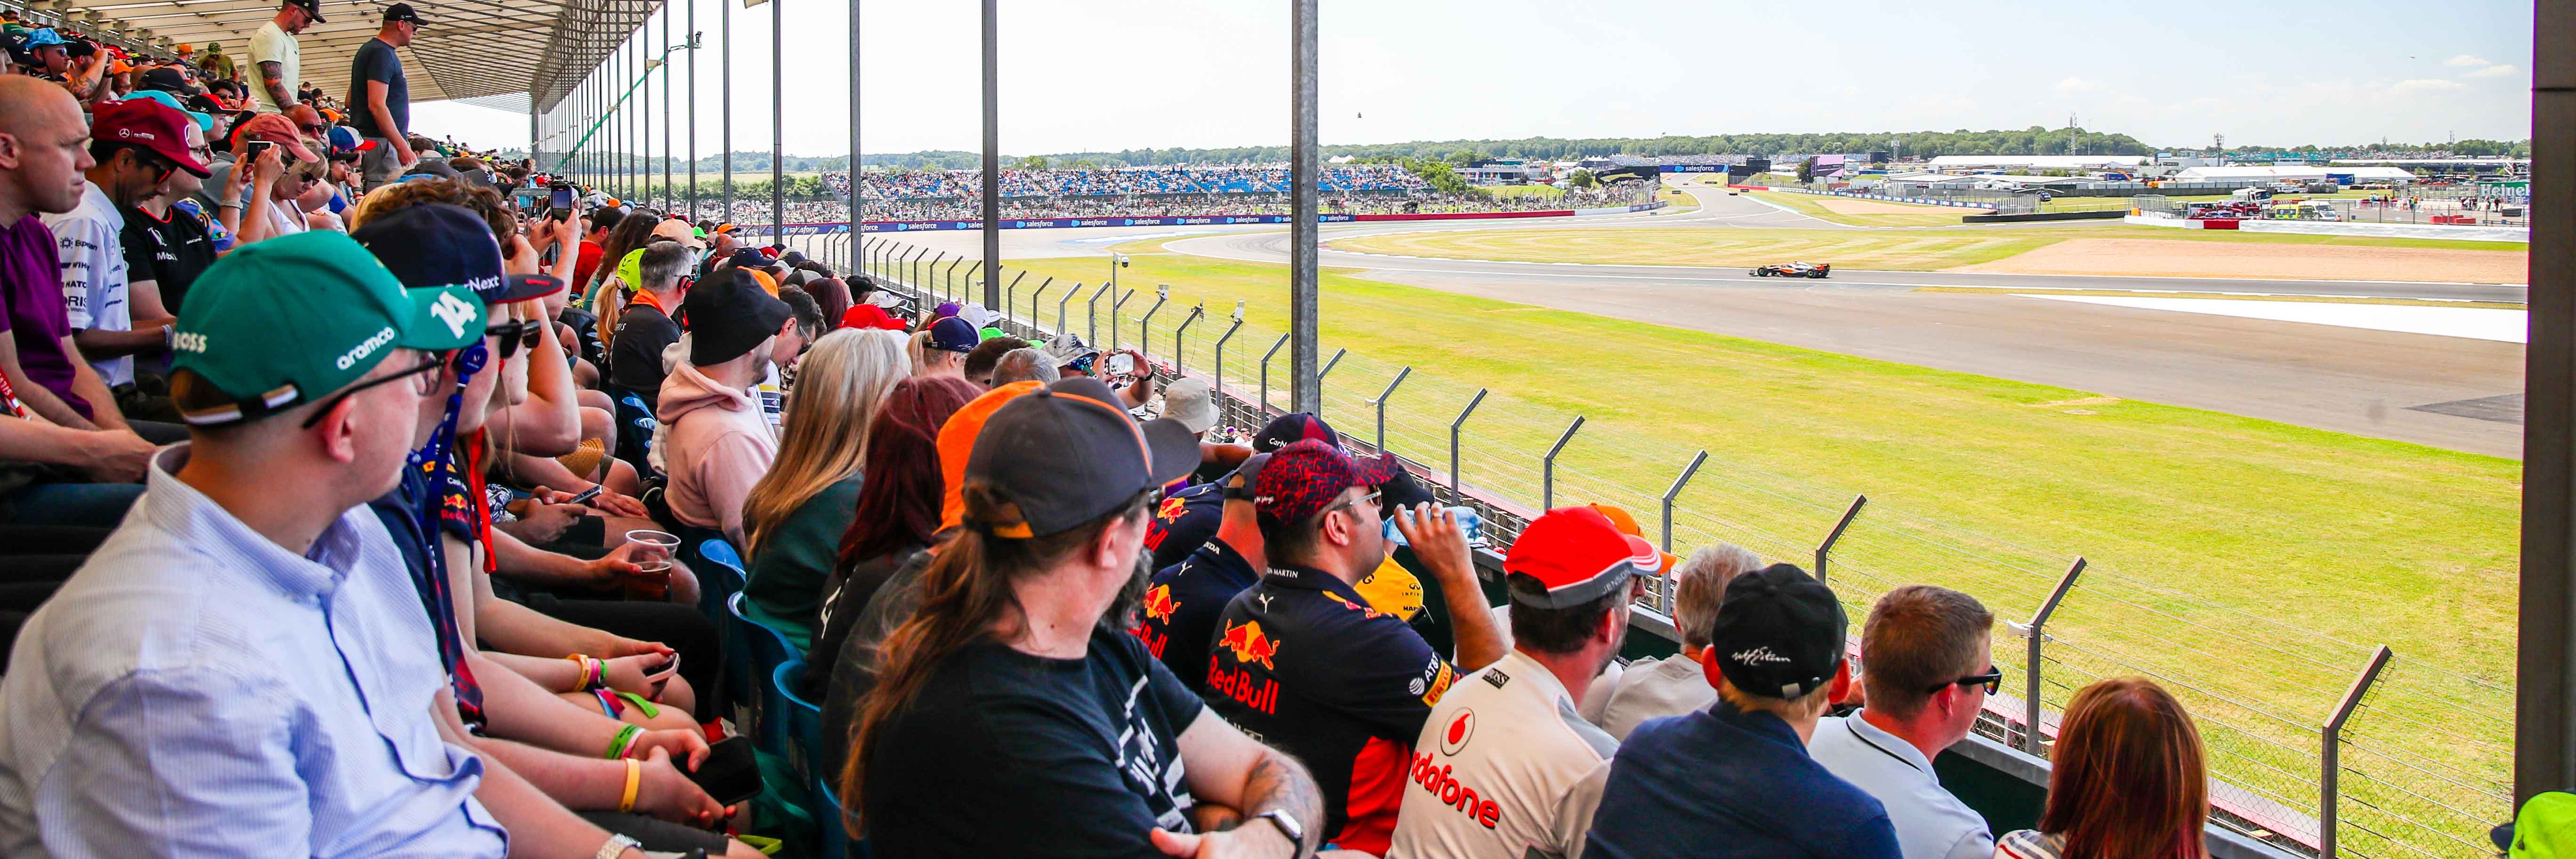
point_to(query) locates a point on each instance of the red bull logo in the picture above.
(1171, 509)
(1159, 604)
(1238, 684)
(1249, 645)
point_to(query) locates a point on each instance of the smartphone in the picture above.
(668, 668)
(1120, 364)
(730, 774)
(560, 206)
(585, 496)
(257, 148)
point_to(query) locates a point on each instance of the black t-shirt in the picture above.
(635, 361)
(171, 251)
(585, 328)
(1065, 757)
(858, 614)
(376, 61)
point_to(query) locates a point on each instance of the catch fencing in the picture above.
(2318, 746)
(2001, 201)
(2429, 206)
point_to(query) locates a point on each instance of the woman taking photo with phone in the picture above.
(2128, 780)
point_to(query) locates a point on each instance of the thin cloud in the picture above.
(2425, 85)
(2496, 71)
(2465, 60)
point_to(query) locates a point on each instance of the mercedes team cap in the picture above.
(1304, 478)
(1779, 633)
(340, 314)
(438, 245)
(1192, 403)
(1066, 454)
(150, 124)
(1571, 556)
(953, 335)
(729, 316)
(1292, 428)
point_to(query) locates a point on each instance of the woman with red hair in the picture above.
(2128, 780)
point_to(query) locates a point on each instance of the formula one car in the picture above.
(1795, 269)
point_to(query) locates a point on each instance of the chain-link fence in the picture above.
(2424, 760)
(2434, 206)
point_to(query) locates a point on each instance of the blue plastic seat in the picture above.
(801, 722)
(720, 578)
(827, 811)
(766, 649)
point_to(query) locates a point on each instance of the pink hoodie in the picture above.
(718, 445)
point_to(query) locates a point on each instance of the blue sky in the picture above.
(1112, 74)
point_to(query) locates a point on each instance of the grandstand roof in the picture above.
(452, 58)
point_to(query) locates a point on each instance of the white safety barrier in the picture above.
(2342, 228)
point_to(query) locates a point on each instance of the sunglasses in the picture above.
(423, 379)
(514, 335)
(1369, 499)
(1993, 680)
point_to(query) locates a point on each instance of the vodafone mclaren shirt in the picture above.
(1302, 662)
(1505, 769)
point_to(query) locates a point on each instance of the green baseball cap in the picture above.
(294, 318)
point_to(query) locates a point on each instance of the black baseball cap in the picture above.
(952, 334)
(310, 7)
(729, 316)
(1779, 633)
(170, 79)
(1292, 428)
(1067, 454)
(401, 12)
(750, 258)
(443, 244)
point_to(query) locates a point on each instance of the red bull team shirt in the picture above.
(1182, 604)
(1505, 768)
(1302, 662)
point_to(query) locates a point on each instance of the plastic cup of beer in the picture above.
(654, 553)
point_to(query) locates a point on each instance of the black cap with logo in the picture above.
(310, 7)
(1067, 454)
(1779, 633)
(401, 12)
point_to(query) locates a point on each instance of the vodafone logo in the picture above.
(1462, 727)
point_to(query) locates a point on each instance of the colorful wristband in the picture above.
(634, 777)
(638, 701)
(618, 747)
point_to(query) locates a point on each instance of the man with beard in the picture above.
(1505, 767)
(719, 444)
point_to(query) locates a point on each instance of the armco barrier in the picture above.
(2340, 228)
(2104, 214)
(825, 229)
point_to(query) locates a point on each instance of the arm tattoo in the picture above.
(272, 75)
(1276, 781)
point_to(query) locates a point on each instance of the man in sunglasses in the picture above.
(251, 590)
(1302, 659)
(1930, 665)
(138, 144)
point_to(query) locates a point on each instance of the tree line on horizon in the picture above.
(2034, 140)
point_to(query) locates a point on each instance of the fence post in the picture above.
(1114, 307)
(948, 278)
(1060, 329)
(1184, 328)
(1034, 298)
(920, 293)
(2331, 754)
(929, 293)
(1380, 403)
(1220, 358)
(2038, 634)
(1145, 324)
(1091, 314)
(1547, 467)
(1011, 299)
(1327, 371)
(1827, 547)
(1455, 489)
(1265, 376)
(1675, 492)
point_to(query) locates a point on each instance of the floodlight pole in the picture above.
(1305, 390)
(992, 155)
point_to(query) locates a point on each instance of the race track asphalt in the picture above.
(2450, 392)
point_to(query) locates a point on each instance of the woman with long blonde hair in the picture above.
(2128, 780)
(793, 518)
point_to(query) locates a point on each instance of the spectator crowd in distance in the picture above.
(352, 505)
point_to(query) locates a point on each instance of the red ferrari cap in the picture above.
(1571, 556)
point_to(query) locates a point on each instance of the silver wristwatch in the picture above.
(1288, 826)
(616, 845)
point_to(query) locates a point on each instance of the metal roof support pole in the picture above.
(858, 240)
(693, 107)
(1547, 467)
(2544, 749)
(2330, 754)
(644, 115)
(777, 122)
(666, 114)
(992, 155)
(724, 106)
(1305, 392)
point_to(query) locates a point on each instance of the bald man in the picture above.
(44, 147)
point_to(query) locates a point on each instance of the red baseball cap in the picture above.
(1303, 478)
(149, 124)
(1571, 556)
(870, 316)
